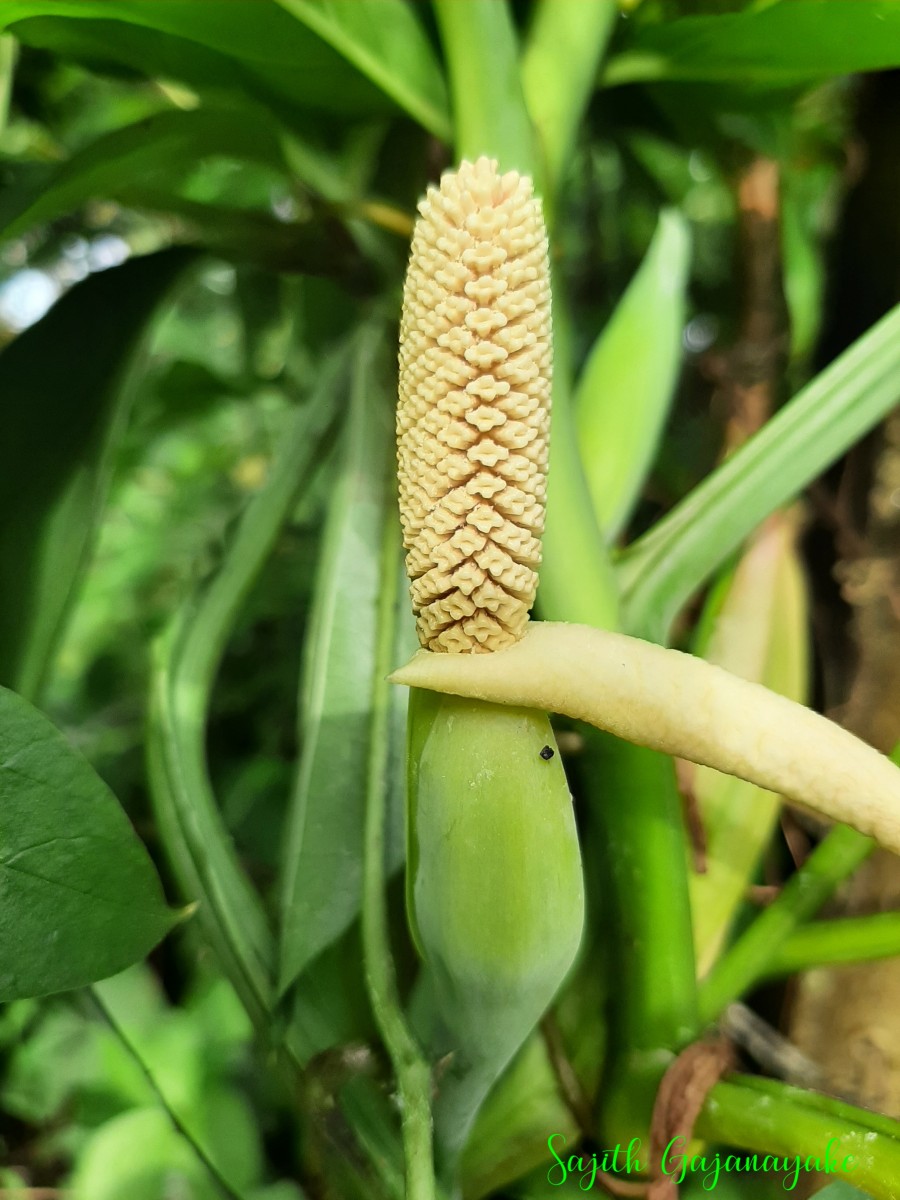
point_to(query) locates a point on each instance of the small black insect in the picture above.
(547, 753)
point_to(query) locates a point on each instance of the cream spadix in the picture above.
(474, 408)
(683, 706)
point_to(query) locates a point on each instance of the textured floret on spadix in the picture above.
(474, 408)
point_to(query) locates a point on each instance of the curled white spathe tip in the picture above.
(683, 706)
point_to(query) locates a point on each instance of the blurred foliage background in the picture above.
(283, 147)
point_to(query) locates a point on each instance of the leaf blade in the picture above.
(322, 876)
(780, 44)
(81, 899)
(249, 45)
(389, 46)
(626, 388)
(188, 658)
(665, 567)
(54, 456)
(149, 149)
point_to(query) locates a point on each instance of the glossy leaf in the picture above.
(246, 45)
(62, 421)
(662, 570)
(779, 44)
(156, 152)
(624, 393)
(388, 45)
(322, 879)
(79, 896)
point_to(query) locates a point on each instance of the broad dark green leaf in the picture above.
(155, 152)
(66, 386)
(386, 43)
(322, 881)
(785, 43)
(252, 46)
(79, 896)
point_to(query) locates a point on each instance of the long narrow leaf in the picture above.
(322, 879)
(665, 568)
(758, 633)
(780, 44)
(187, 661)
(155, 151)
(388, 45)
(626, 388)
(559, 66)
(252, 46)
(489, 115)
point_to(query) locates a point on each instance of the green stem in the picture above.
(577, 581)
(850, 940)
(787, 1122)
(836, 857)
(412, 1072)
(482, 54)
(634, 822)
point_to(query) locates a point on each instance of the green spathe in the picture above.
(495, 885)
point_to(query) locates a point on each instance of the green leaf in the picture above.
(160, 163)
(7, 68)
(841, 1191)
(322, 879)
(79, 896)
(141, 1155)
(188, 658)
(781, 44)
(388, 45)
(67, 385)
(662, 570)
(623, 396)
(252, 46)
(566, 40)
(321, 247)
(171, 1055)
(156, 151)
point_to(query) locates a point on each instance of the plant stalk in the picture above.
(412, 1072)
(833, 860)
